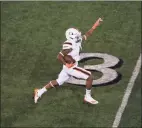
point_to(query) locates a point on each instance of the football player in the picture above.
(72, 47)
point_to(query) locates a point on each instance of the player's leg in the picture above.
(84, 74)
(63, 76)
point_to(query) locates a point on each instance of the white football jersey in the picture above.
(76, 47)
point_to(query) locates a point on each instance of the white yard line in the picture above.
(127, 93)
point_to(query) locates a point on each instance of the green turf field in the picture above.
(32, 34)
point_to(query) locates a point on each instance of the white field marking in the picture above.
(127, 93)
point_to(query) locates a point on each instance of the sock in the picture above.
(88, 92)
(41, 91)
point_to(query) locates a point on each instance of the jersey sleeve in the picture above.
(67, 45)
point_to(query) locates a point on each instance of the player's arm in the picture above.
(89, 32)
(62, 54)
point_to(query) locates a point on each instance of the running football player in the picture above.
(72, 47)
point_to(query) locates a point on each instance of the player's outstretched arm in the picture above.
(89, 33)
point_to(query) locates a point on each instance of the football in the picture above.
(69, 59)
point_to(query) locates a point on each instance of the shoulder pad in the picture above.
(67, 45)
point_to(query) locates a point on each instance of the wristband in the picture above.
(61, 53)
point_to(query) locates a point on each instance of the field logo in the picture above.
(109, 74)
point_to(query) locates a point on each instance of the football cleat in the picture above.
(36, 95)
(90, 100)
